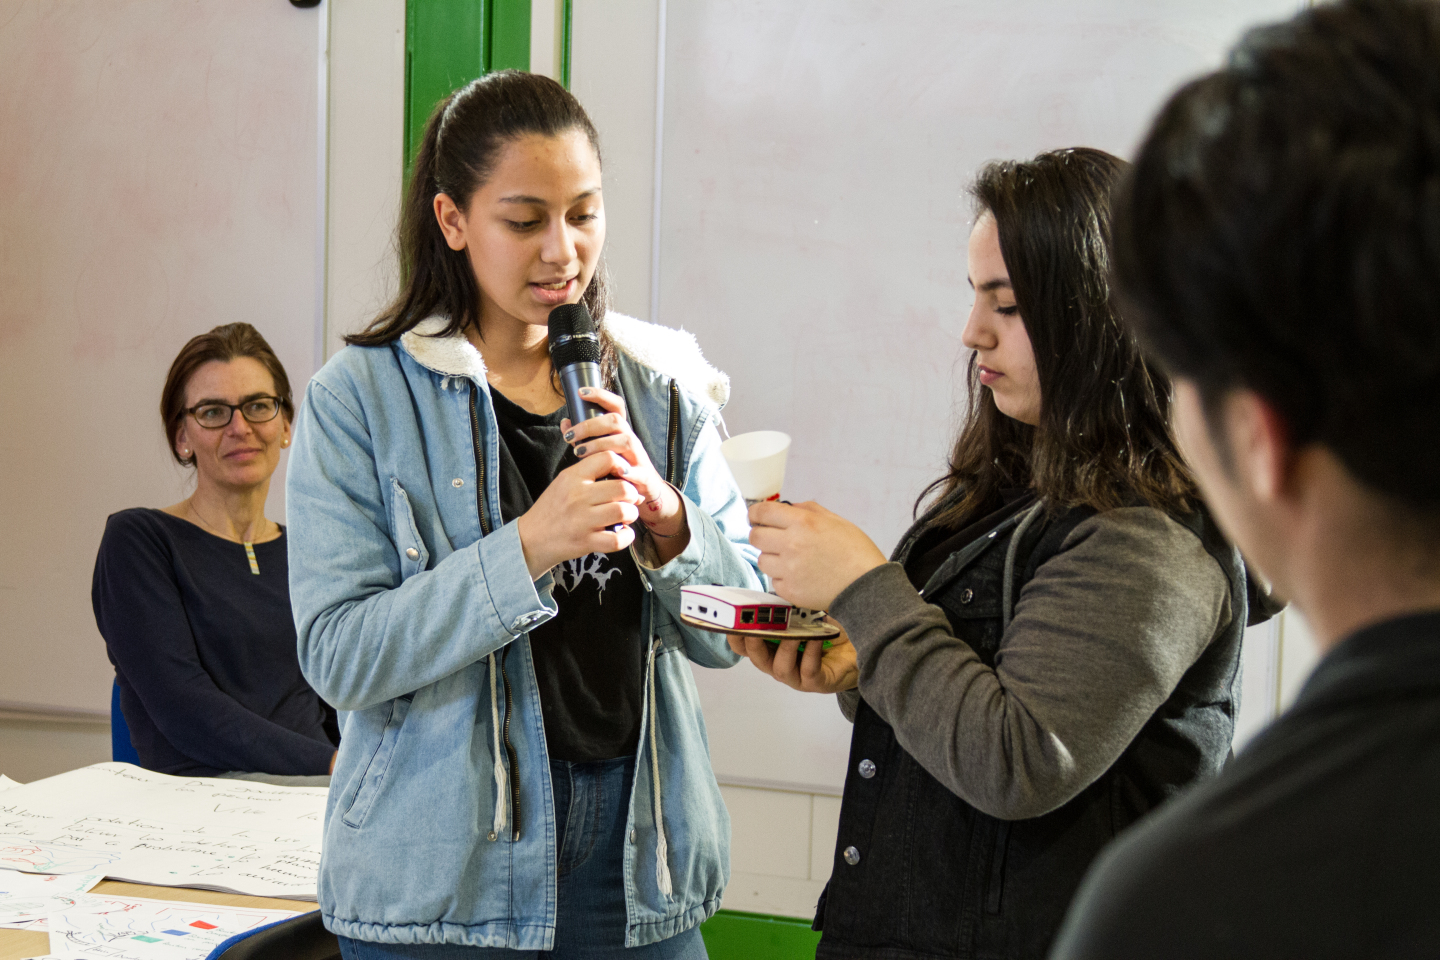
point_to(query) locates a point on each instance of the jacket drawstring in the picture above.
(500, 778)
(1007, 600)
(662, 864)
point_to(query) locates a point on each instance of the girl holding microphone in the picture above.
(1054, 647)
(490, 593)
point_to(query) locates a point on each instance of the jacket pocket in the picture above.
(995, 883)
(373, 778)
(413, 556)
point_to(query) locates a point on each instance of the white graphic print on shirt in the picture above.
(572, 573)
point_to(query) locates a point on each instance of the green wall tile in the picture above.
(732, 935)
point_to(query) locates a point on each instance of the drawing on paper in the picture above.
(126, 928)
(17, 853)
(145, 827)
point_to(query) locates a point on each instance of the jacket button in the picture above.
(457, 482)
(967, 595)
(492, 836)
(867, 768)
(851, 855)
(412, 553)
(632, 836)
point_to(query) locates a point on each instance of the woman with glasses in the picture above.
(193, 600)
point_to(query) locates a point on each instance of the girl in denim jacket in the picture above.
(491, 593)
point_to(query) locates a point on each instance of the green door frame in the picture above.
(448, 43)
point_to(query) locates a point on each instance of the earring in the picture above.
(184, 452)
(285, 442)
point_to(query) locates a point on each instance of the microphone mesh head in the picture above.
(581, 349)
(572, 336)
(568, 319)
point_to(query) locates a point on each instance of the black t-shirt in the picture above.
(590, 657)
(936, 544)
(204, 651)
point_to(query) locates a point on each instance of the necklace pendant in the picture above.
(250, 553)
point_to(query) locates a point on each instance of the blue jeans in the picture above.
(591, 802)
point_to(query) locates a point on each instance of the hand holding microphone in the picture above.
(610, 454)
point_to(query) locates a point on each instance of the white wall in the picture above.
(158, 172)
(364, 161)
(33, 748)
(613, 73)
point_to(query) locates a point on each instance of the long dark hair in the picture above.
(224, 343)
(1104, 436)
(462, 143)
(1278, 234)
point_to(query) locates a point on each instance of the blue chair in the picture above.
(121, 749)
(298, 938)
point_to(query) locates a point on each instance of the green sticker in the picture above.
(147, 939)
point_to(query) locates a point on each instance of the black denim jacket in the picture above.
(942, 879)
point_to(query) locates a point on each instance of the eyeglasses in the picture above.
(213, 416)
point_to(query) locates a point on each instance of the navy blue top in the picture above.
(204, 651)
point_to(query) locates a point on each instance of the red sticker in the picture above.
(203, 925)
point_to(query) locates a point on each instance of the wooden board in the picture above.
(814, 631)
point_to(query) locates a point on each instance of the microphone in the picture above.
(575, 355)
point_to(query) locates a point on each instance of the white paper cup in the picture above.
(758, 462)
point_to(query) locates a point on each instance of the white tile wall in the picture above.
(824, 826)
(781, 848)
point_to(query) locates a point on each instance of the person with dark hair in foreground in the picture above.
(193, 600)
(1055, 650)
(1280, 243)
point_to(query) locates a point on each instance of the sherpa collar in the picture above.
(667, 351)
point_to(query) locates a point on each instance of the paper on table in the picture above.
(131, 928)
(26, 899)
(132, 824)
(6, 783)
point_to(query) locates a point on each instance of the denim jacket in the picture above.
(413, 604)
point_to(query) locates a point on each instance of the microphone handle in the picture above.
(574, 376)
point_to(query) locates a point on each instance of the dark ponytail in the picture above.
(462, 142)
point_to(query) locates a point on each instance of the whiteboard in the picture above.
(812, 234)
(158, 176)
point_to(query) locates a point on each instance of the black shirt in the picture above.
(590, 657)
(204, 651)
(1320, 840)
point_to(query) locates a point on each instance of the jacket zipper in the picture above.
(672, 472)
(510, 753)
(504, 676)
(479, 463)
